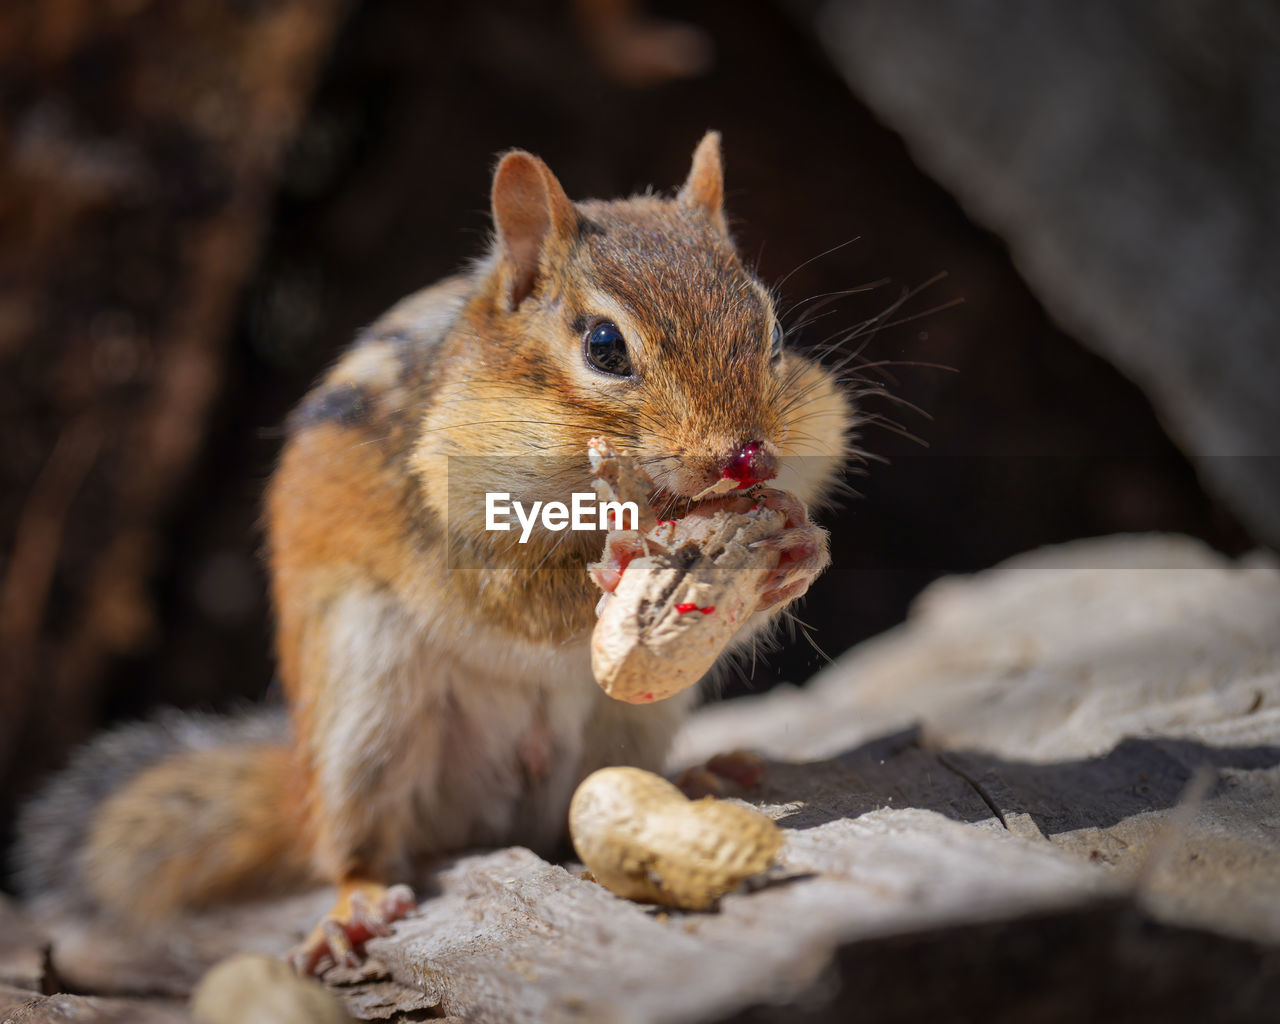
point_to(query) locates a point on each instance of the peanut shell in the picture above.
(251, 988)
(644, 840)
(676, 607)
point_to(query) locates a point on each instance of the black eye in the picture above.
(776, 352)
(606, 349)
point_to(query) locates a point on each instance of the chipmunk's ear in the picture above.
(530, 214)
(704, 187)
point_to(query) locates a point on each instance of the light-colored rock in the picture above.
(1089, 733)
(1079, 690)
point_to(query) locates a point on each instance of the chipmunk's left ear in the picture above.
(704, 187)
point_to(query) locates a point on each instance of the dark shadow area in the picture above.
(1136, 777)
(1106, 962)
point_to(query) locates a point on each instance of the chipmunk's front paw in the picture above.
(621, 547)
(802, 546)
(364, 910)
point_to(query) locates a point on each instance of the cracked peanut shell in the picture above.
(680, 602)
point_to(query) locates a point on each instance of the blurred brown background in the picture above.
(201, 202)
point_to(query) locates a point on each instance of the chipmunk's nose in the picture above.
(750, 466)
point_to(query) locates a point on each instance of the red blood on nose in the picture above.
(752, 465)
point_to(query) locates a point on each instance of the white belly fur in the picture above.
(434, 741)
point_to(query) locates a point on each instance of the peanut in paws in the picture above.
(676, 592)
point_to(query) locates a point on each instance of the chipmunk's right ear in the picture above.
(531, 214)
(704, 187)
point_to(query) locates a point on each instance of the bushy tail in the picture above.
(181, 812)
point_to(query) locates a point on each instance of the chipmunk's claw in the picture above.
(363, 912)
(802, 558)
(621, 547)
(802, 549)
(788, 504)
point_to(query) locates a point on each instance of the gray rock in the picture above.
(1065, 769)
(1129, 154)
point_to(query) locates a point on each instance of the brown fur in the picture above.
(199, 828)
(437, 672)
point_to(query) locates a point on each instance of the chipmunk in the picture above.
(437, 675)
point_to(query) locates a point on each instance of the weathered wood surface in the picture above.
(1068, 766)
(19, 1006)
